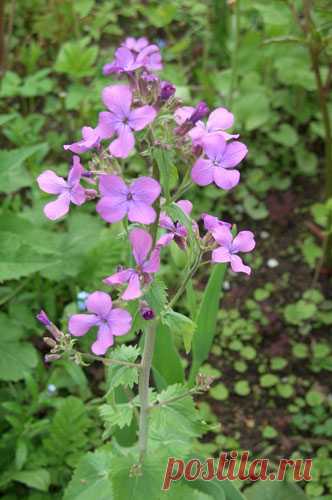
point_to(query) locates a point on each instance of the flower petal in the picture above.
(104, 340)
(139, 211)
(238, 266)
(223, 236)
(165, 239)
(51, 183)
(75, 173)
(80, 324)
(202, 172)
(107, 124)
(145, 189)
(133, 290)
(182, 114)
(117, 98)
(221, 254)
(220, 119)
(153, 264)
(99, 303)
(226, 179)
(58, 208)
(244, 242)
(141, 117)
(119, 321)
(110, 210)
(141, 242)
(119, 278)
(77, 195)
(113, 186)
(185, 205)
(124, 144)
(214, 146)
(235, 152)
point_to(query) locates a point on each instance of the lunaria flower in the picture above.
(219, 120)
(167, 90)
(90, 139)
(110, 322)
(219, 165)
(121, 119)
(147, 264)
(119, 200)
(211, 222)
(68, 191)
(175, 230)
(229, 248)
(135, 44)
(134, 54)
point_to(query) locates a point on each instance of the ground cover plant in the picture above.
(133, 153)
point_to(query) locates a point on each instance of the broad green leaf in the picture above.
(275, 490)
(76, 59)
(13, 175)
(122, 375)
(156, 296)
(38, 479)
(170, 366)
(207, 320)
(118, 415)
(92, 478)
(181, 325)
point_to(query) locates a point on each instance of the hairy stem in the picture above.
(108, 361)
(143, 390)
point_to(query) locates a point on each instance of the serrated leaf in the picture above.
(120, 415)
(38, 479)
(156, 296)
(76, 59)
(123, 375)
(275, 490)
(13, 175)
(182, 325)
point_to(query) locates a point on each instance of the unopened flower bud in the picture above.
(50, 342)
(167, 90)
(90, 194)
(51, 357)
(197, 150)
(42, 318)
(146, 312)
(200, 111)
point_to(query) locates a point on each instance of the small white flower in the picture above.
(264, 235)
(226, 285)
(51, 389)
(272, 263)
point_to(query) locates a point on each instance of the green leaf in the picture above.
(301, 311)
(118, 415)
(163, 161)
(38, 479)
(207, 320)
(268, 380)
(122, 375)
(156, 296)
(286, 135)
(13, 175)
(181, 325)
(275, 490)
(76, 59)
(242, 388)
(168, 367)
(92, 478)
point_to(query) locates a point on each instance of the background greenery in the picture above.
(272, 356)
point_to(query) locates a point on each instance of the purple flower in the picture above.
(175, 230)
(187, 116)
(230, 247)
(134, 54)
(167, 90)
(219, 120)
(119, 200)
(135, 44)
(121, 119)
(90, 140)
(125, 62)
(147, 264)
(218, 167)
(43, 318)
(200, 111)
(69, 191)
(211, 223)
(150, 58)
(110, 322)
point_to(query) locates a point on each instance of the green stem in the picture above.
(183, 286)
(143, 390)
(108, 361)
(190, 392)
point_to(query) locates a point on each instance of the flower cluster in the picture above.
(143, 115)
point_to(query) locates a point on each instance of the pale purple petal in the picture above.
(111, 210)
(79, 324)
(124, 144)
(185, 205)
(220, 119)
(202, 172)
(51, 183)
(141, 242)
(119, 321)
(119, 278)
(104, 340)
(114, 186)
(238, 266)
(211, 222)
(243, 242)
(225, 178)
(234, 153)
(138, 211)
(214, 146)
(152, 265)
(75, 172)
(99, 303)
(58, 208)
(133, 290)
(107, 124)
(77, 195)
(165, 239)
(117, 98)
(145, 189)
(166, 222)
(182, 114)
(198, 132)
(125, 59)
(221, 254)
(223, 236)
(141, 117)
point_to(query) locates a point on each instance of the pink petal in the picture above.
(145, 189)
(153, 264)
(51, 183)
(58, 208)
(139, 211)
(185, 205)
(165, 239)
(238, 266)
(223, 236)
(198, 132)
(125, 58)
(141, 117)
(119, 278)
(226, 179)
(77, 195)
(166, 222)
(235, 152)
(119, 321)
(79, 324)
(99, 303)
(117, 98)
(110, 210)
(214, 146)
(141, 242)
(182, 114)
(75, 172)
(124, 144)
(114, 186)
(202, 172)
(220, 119)
(107, 124)
(104, 340)
(221, 254)
(243, 242)
(133, 290)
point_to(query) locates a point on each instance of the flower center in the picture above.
(129, 197)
